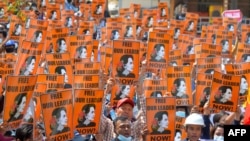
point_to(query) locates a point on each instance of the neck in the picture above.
(26, 73)
(60, 127)
(86, 122)
(160, 129)
(125, 72)
(242, 91)
(223, 100)
(157, 58)
(17, 115)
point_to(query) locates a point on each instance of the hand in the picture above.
(139, 87)
(110, 84)
(195, 109)
(206, 109)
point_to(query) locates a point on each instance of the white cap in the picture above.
(194, 119)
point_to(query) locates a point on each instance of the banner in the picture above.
(155, 88)
(86, 81)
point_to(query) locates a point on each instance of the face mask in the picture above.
(1, 40)
(218, 138)
(123, 138)
(181, 114)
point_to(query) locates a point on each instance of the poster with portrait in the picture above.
(125, 13)
(86, 81)
(231, 25)
(120, 91)
(217, 21)
(98, 8)
(58, 108)
(158, 50)
(37, 30)
(59, 63)
(135, 10)
(88, 68)
(125, 61)
(3, 11)
(210, 50)
(54, 82)
(160, 117)
(191, 23)
(55, 24)
(149, 18)
(155, 88)
(175, 57)
(129, 28)
(180, 132)
(163, 12)
(6, 68)
(243, 53)
(87, 110)
(16, 27)
(224, 92)
(240, 69)
(179, 84)
(203, 89)
(108, 57)
(19, 90)
(143, 52)
(86, 28)
(245, 33)
(29, 58)
(208, 65)
(81, 48)
(114, 31)
(225, 39)
(53, 12)
(203, 31)
(68, 18)
(178, 27)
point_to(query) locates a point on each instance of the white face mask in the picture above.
(123, 138)
(218, 138)
(181, 114)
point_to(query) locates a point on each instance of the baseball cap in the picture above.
(125, 100)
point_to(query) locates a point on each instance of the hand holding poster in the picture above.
(224, 92)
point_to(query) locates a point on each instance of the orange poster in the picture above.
(179, 84)
(86, 81)
(208, 65)
(98, 8)
(243, 53)
(191, 22)
(19, 90)
(138, 28)
(125, 13)
(155, 88)
(149, 18)
(161, 118)
(37, 31)
(3, 11)
(114, 30)
(6, 68)
(58, 109)
(121, 91)
(135, 10)
(126, 61)
(29, 58)
(175, 57)
(68, 18)
(180, 132)
(88, 68)
(108, 60)
(55, 24)
(224, 92)
(231, 24)
(225, 39)
(53, 12)
(178, 26)
(143, 52)
(95, 51)
(59, 63)
(203, 31)
(163, 12)
(217, 21)
(85, 11)
(129, 28)
(54, 82)
(86, 28)
(158, 50)
(87, 110)
(210, 50)
(245, 33)
(59, 40)
(203, 89)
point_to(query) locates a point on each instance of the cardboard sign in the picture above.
(135, 10)
(161, 118)
(58, 110)
(179, 82)
(55, 24)
(6, 68)
(149, 18)
(178, 26)
(16, 26)
(53, 12)
(243, 53)
(180, 132)
(114, 30)
(68, 18)
(155, 88)
(129, 28)
(163, 12)
(210, 50)
(191, 22)
(126, 61)
(203, 89)
(225, 39)
(208, 65)
(54, 82)
(37, 31)
(29, 58)
(86, 28)
(98, 8)
(87, 68)
(87, 110)
(120, 91)
(86, 81)
(59, 63)
(60, 40)
(245, 33)
(175, 57)
(158, 50)
(19, 90)
(235, 14)
(224, 92)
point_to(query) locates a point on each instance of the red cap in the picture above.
(123, 101)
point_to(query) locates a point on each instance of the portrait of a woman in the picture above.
(160, 123)
(17, 30)
(123, 92)
(190, 26)
(129, 32)
(87, 116)
(61, 45)
(179, 88)
(28, 66)
(156, 94)
(205, 96)
(16, 113)
(126, 66)
(243, 86)
(81, 52)
(38, 36)
(158, 54)
(59, 121)
(223, 95)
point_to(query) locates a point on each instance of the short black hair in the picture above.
(4, 33)
(24, 132)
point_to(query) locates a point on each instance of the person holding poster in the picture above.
(122, 127)
(53, 15)
(38, 36)
(205, 96)
(28, 66)
(190, 26)
(98, 10)
(158, 54)
(243, 86)
(156, 94)
(81, 52)
(17, 30)
(245, 58)
(179, 88)
(115, 35)
(124, 92)
(177, 32)
(225, 46)
(62, 70)
(69, 22)
(247, 38)
(161, 123)
(16, 113)
(86, 116)
(150, 21)
(58, 123)
(223, 95)
(178, 135)
(129, 32)
(61, 45)
(126, 66)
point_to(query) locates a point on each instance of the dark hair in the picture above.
(27, 62)
(123, 61)
(177, 83)
(57, 114)
(218, 116)
(24, 132)
(176, 131)
(158, 117)
(221, 91)
(157, 48)
(17, 101)
(97, 7)
(145, 36)
(206, 92)
(120, 92)
(59, 69)
(120, 118)
(37, 33)
(173, 62)
(85, 110)
(51, 13)
(85, 31)
(217, 125)
(246, 92)
(79, 50)
(229, 25)
(155, 93)
(59, 43)
(189, 48)
(244, 57)
(127, 29)
(209, 71)
(4, 33)
(113, 34)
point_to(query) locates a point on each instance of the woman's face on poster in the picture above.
(191, 51)
(182, 88)
(116, 36)
(177, 137)
(163, 12)
(228, 94)
(126, 90)
(130, 31)
(43, 3)
(91, 115)
(191, 26)
(27, 25)
(138, 31)
(21, 106)
(54, 15)
(62, 120)
(243, 84)
(19, 29)
(135, 14)
(161, 52)
(164, 122)
(130, 65)
(177, 33)
(39, 38)
(151, 21)
(83, 53)
(99, 10)
(30, 67)
(66, 79)
(70, 22)
(226, 46)
(63, 46)
(158, 95)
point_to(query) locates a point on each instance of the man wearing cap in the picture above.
(124, 108)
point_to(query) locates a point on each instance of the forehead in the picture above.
(125, 122)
